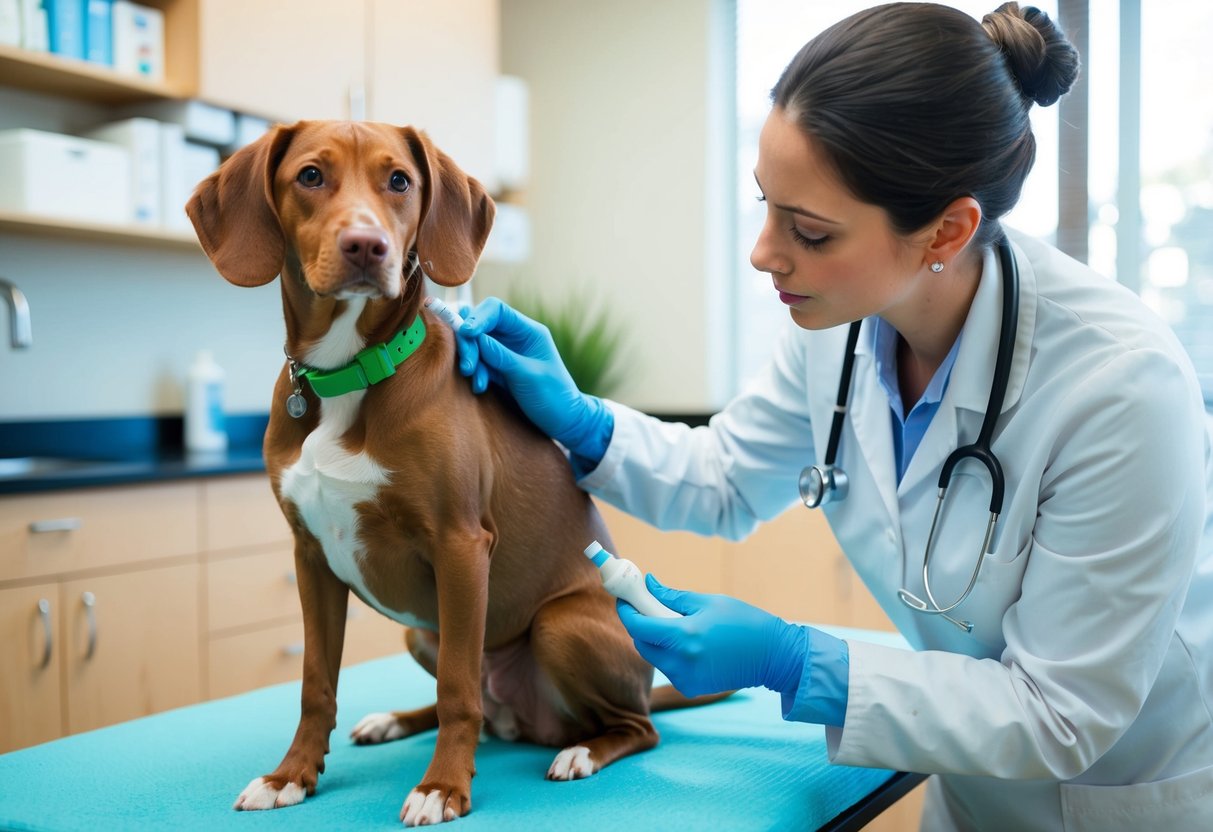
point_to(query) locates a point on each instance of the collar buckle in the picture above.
(375, 363)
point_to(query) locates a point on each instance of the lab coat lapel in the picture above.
(870, 418)
(969, 386)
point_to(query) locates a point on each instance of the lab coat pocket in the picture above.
(1177, 804)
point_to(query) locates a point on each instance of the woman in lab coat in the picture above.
(1081, 697)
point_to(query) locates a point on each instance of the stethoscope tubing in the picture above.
(981, 450)
(844, 392)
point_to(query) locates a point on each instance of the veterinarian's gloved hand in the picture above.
(722, 643)
(499, 343)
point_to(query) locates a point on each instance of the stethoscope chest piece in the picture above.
(821, 484)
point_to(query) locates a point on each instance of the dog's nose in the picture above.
(363, 246)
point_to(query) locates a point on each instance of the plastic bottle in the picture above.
(205, 429)
(623, 580)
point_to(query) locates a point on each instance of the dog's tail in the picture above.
(666, 698)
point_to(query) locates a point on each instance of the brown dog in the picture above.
(445, 511)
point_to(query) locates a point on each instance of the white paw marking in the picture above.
(261, 795)
(424, 809)
(376, 728)
(571, 764)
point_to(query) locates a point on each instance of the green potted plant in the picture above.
(588, 338)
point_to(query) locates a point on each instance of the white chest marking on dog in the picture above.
(327, 482)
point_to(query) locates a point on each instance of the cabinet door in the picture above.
(30, 701)
(131, 645)
(283, 59)
(45, 535)
(435, 66)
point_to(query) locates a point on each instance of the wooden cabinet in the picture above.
(99, 596)
(120, 602)
(30, 647)
(284, 59)
(129, 645)
(254, 629)
(434, 65)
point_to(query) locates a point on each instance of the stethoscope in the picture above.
(821, 484)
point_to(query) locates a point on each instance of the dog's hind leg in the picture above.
(602, 681)
(384, 727)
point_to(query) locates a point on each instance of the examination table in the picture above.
(733, 765)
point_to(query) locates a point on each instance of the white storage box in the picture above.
(52, 175)
(138, 33)
(139, 137)
(201, 122)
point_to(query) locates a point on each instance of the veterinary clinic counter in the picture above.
(733, 765)
(85, 453)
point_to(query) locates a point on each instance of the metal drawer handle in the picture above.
(61, 524)
(90, 602)
(295, 649)
(44, 611)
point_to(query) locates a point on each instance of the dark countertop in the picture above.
(85, 453)
(56, 455)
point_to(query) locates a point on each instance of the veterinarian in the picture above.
(1062, 676)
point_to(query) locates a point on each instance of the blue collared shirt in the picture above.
(909, 429)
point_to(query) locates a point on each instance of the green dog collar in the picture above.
(370, 366)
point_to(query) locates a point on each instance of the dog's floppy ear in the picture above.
(233, 212)
(456, 214)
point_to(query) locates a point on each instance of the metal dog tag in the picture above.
(296, 405)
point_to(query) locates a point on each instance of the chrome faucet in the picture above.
(23, 334)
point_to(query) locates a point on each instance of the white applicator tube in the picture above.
(445, 313)
(623, 580)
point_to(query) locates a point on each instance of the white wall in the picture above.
(632, 179)
(115, 328)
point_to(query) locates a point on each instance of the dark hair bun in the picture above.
(1041, 58)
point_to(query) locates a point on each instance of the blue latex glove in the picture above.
(499, 343)
(722, 643)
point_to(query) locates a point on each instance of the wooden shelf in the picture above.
(148, 236)
(46, 73)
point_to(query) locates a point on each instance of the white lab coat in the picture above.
(1083, 697)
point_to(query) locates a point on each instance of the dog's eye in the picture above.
(310, 177)
(399, 181)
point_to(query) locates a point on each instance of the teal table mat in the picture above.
(733, 765)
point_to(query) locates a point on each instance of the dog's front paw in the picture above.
(377, 728)
(428, 805)
(572, 763)
(262, 794)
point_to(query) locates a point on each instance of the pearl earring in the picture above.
(937, 266)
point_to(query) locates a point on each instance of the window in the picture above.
(1149, 176)
(1171, 259)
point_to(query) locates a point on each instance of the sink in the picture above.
(34, 466)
